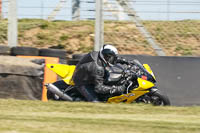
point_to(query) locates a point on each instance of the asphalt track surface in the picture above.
(177, 77)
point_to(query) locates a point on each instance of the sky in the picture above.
(146, 9)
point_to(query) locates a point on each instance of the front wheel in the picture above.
(156, 98)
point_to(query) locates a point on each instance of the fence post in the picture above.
(12, 23)
(99, 25)
(0, 9)
(75, 9)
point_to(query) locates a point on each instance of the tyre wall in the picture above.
(31, 51)
(19, 77)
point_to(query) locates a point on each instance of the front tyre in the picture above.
(155, 98)
(158, 99)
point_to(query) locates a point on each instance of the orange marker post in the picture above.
(49, 76)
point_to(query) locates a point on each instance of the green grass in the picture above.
(23, 116)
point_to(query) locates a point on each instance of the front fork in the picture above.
(153, 90)
(145, 98)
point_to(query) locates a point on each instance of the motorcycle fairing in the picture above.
(143, 88)
(148, 68)
(128, 98)
(64, 71)
(144, 84)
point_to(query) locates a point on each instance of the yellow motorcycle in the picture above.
(138, 90)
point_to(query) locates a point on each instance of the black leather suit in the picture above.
(89, 77)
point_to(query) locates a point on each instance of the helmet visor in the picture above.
(110, 58)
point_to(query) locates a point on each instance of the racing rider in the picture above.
(90, 72)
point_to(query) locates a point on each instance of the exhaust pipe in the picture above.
(52, 88)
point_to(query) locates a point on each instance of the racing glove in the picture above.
(117, 89)
(122, 60)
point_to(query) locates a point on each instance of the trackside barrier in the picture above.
(178, 77)
(49, 76)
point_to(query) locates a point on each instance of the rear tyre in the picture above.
(77, 56)
(4, 50)
(53, 53)
(72, 62)
(30, 51)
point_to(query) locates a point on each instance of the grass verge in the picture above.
(23, 116)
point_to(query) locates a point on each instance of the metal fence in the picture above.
(173, 25)
(39, 9)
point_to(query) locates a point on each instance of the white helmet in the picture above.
(108, 54)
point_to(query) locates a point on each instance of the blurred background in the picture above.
(152, 27)
(147, 9)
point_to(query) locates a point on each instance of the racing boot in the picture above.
(87, 92)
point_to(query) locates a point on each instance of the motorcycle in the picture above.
(139, 79)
